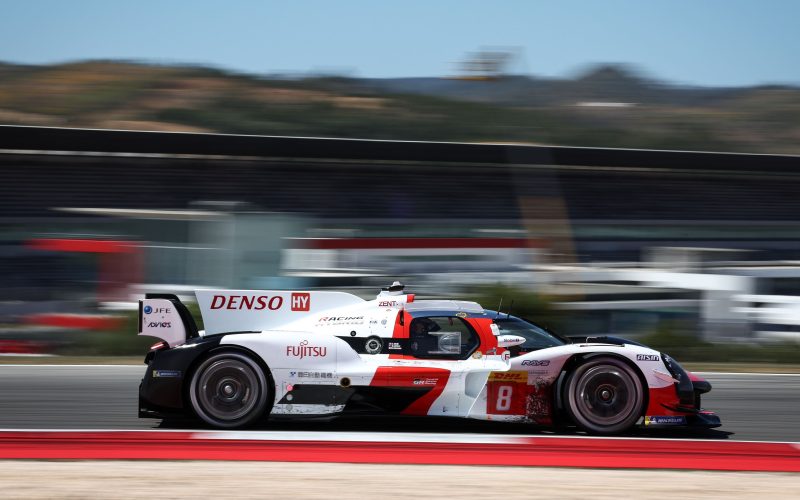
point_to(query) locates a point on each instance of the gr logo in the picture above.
(301, 301)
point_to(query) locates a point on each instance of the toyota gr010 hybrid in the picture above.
(278, 354)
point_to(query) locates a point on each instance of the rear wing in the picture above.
(256, 310)
(164, 316)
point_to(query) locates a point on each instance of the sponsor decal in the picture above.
(508, 377)
(506, 356)
(388, 303)
(395, 346)
(477, 355)
(306, 351)
(166, 373)
(647, 357)
(326, 319)
(301, 301)
(159, 324)
(248, 302)
(373, 345)
(341, 320)
(425, 381)
(536, 362)
(157, 310)
(324, 375)
(461, 315)
(665, 420)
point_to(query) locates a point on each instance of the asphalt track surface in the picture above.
(753, 407)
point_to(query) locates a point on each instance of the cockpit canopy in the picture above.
(535, 336)
(442, 336)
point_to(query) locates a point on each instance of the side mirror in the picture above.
(509, 340)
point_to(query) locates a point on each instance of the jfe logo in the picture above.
(148, 309)
(301, 301)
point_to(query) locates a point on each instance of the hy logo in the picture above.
(301, 301)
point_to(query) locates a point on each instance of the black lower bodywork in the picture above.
(161, 391)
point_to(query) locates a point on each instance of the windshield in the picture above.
(535, 337)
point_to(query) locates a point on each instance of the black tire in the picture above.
(604, 395)
(229, 390)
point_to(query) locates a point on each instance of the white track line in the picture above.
(372, 437)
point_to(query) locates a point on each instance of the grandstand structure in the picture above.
(610, 203)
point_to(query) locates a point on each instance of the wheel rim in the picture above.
(227, 389)
(606, 395)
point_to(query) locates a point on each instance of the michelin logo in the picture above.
(666, 420)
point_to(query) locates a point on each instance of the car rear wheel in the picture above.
(604, 396)
(229, 390)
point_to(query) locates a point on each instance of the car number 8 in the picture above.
(504, 397)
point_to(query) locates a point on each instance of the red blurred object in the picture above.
(88, 246)
(119, 262)
(81, 321)
(21, 347)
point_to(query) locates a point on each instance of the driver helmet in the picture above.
(421, 326)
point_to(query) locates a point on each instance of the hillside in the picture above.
(609, 106)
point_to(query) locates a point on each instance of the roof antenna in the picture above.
(498, 308)
(395, 288)
(510, 308)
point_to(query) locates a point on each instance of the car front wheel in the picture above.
(604, 396)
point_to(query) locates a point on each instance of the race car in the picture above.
(311, 354)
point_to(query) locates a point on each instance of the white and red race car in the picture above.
(283, 354)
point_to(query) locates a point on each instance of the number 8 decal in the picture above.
(506, 393)
(504, 397)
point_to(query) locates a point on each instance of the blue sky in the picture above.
(702, 42)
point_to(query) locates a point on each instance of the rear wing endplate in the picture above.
(164, 316)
